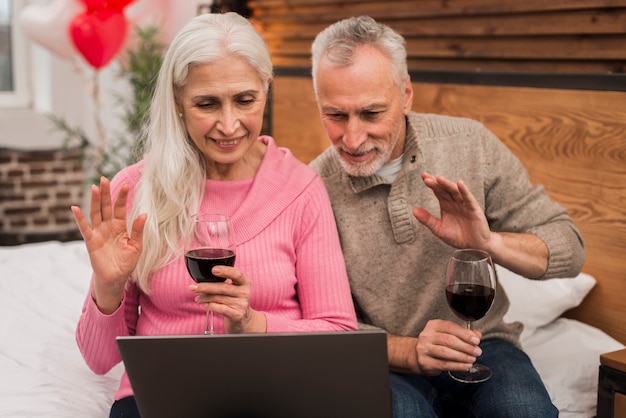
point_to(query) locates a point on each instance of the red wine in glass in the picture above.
(470, 302)
(200, 263)
(470, 291)
(211, 243)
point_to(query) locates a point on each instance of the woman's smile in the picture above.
(227, 143)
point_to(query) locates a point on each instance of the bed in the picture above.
(43, 286)
(571, 141)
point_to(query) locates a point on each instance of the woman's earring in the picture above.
(180, 114)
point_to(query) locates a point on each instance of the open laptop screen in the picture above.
(299, 375)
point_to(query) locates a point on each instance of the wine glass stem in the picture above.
(208, 329)
(472, 369)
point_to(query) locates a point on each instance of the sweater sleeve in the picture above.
(96, 332)
(513, 203)
(322, 282)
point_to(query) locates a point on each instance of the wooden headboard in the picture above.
(571, 141)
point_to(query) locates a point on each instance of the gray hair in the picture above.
(172, 183)
(337, 43)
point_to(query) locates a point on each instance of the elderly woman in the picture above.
(205, 154)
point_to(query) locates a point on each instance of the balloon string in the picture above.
(81, 74)
(102, 141)
(94, 89)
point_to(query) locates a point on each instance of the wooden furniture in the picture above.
(612, 385)
(572, 141)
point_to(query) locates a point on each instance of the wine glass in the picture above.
(470, 290)
(212, 243)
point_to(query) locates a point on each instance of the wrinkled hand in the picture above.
(444, 345)
(463, 223)
(231, 299)
(112, 251)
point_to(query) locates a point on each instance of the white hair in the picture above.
(172, 184)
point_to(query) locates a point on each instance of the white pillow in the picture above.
(554, 348)
(539, 302)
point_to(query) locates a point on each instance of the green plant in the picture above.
(139, 66)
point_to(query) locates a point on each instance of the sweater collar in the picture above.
(281, 178)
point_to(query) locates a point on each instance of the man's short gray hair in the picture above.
(337, 43)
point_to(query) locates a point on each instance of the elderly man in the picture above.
(407, 189)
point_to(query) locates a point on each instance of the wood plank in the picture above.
(579, 22)
(517, 66)
(531, 24)
(602, 47)
(451, 64)
(314, 10)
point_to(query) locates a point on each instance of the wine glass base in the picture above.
(476, 374)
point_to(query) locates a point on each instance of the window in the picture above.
(14, 70)
(6, 72)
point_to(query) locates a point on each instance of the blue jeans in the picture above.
(514, 391)
(124, 408)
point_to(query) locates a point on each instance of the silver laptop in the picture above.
(317, 375)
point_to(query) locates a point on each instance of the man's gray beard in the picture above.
(363, 169)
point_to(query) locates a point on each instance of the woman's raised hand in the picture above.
(112, 251)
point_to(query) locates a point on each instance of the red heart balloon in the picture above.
(93, 5)
(117, 5)
(99, 35)
(113, 5)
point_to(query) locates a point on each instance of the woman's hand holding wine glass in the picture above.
(211, 244)
(470, 291)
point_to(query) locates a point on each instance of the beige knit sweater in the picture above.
(395, 265)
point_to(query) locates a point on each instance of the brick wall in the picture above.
(37, 189)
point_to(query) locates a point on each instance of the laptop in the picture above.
(290, 375)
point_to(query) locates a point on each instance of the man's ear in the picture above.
(408, 96)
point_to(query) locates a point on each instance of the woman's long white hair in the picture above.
(173, 181)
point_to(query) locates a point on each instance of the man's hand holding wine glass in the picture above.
(446, 345)
(442, 345)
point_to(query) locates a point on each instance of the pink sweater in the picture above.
(287, 245)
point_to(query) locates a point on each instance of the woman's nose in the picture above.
(228, 122)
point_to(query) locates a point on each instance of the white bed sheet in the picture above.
(566, 353)
(42, 374)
